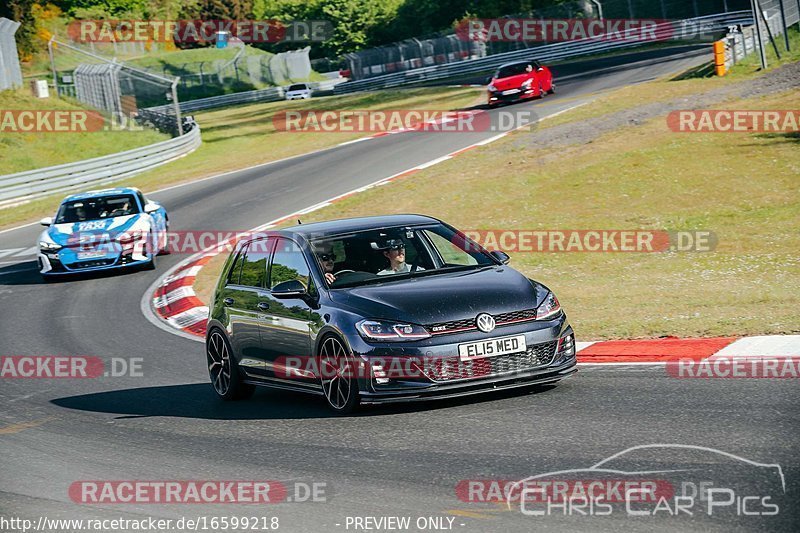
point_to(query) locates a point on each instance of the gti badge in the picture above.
(485, 322)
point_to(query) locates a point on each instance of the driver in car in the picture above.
(326, 259)
(395, 251)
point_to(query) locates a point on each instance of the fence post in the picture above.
(177, 105)
(759, 41)
(785, 26)
(53, 66)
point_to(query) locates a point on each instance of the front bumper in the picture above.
(467, 388)
(54, 264)
(500, 98)
(549, 357)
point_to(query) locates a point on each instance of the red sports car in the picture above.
(520, 81)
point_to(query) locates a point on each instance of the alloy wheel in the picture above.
(219, 363)
(336, 374)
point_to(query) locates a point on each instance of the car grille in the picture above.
(469, 323)
(91, 264)
(452, 368)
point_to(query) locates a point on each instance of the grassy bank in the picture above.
(28, 151)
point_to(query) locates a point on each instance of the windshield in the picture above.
(395, 253)
(298, 87)
(512, 70)
(96, 208)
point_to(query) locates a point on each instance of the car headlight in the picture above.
(49, 246)
(129, 236)
(382, 330)
(549, 308)
(492, 88)
(527, 83)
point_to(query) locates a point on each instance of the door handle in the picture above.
(263, 306)
(227, 301)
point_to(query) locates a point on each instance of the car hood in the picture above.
(512, 82)
(94, 230)
(443, 297)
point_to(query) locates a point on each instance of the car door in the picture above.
(286, 333)
(243, 299)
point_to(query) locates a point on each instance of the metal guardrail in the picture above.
(550, 52)
(271, 94)
(24, 186)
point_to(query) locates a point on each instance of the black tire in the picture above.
(341, 390)
(223, 370)
(552, 88)
(541, 91)
(165, 249)
(150, 265)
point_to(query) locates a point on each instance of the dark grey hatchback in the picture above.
(380, 309)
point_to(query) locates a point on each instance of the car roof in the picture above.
(529, 61)
(352, 225)
(101, 192)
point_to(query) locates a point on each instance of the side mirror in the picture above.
(151, 207)
(46, 221)
(289, 289)
(500, 256)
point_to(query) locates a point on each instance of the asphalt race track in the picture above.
(389, 461)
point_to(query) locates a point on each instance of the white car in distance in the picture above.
(298, 91)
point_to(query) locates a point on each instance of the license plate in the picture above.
(90, 255)
(492, 347)
(510, 91)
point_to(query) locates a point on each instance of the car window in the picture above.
(142, 199)
(96, 208)
(288, 263)
(393, 253)
(511, 70)
(254, 264)
(236, 269)
(452, 254)
(298, 87)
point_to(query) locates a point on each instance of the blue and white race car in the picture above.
(101, 230)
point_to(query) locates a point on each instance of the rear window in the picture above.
(298, 87)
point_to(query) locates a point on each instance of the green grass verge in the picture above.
(28, 151)
(239, 137)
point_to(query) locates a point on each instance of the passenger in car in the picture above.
(395, 251)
